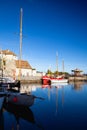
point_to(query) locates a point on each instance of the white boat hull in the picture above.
(59, 81)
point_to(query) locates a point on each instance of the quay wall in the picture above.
(77, 78)
(37, 79)
(31, 79)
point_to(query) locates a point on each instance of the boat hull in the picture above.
(59, 81)
(48, 81)
(21, 100)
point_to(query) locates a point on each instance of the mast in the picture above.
(57, 62)
(20, 57)
(1, 64)
(63, 65)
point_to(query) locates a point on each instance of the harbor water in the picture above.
(56, 107)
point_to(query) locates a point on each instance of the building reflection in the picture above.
(28, 88)
(78, 85)
(25, 88)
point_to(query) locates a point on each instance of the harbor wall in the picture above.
(77, 78)
(31, 79)
(37, 79)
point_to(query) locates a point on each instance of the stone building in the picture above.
(7, 62)
(13, 67)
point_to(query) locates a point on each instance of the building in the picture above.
(26, 69)
(15, 68)
(77, 72)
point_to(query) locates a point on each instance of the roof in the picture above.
(7, 52)
(23, 64)
(76, 70)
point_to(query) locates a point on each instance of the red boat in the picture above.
(46, 80)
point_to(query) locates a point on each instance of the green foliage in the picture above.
(49, 72)
(56, 73)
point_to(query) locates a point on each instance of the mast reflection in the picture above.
(61, 87)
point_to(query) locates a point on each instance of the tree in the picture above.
(49, 72)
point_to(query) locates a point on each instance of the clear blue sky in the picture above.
(49, 26)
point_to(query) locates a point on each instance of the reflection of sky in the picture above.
(66, 109)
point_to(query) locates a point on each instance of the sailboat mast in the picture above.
(20, 57)
(57, 62)
(63, 65)
(21, 33)
(1, 66)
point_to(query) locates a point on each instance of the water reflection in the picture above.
(56, 100)
(28, 88)
(77, 85)
(55, 89)
(62, 108)
(62, 96)
(1, 120)
(20, 112)
(25, 88)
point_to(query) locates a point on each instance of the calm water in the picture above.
(64, 108)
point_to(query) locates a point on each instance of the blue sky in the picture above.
(49, 26)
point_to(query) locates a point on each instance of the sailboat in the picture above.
(58, 79)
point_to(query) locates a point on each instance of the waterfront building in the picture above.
(10, 65)
(77, 72)
(7, 62)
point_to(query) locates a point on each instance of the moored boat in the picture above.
(20, 99)
(46, 80)
(49, 80)
(58, 80)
